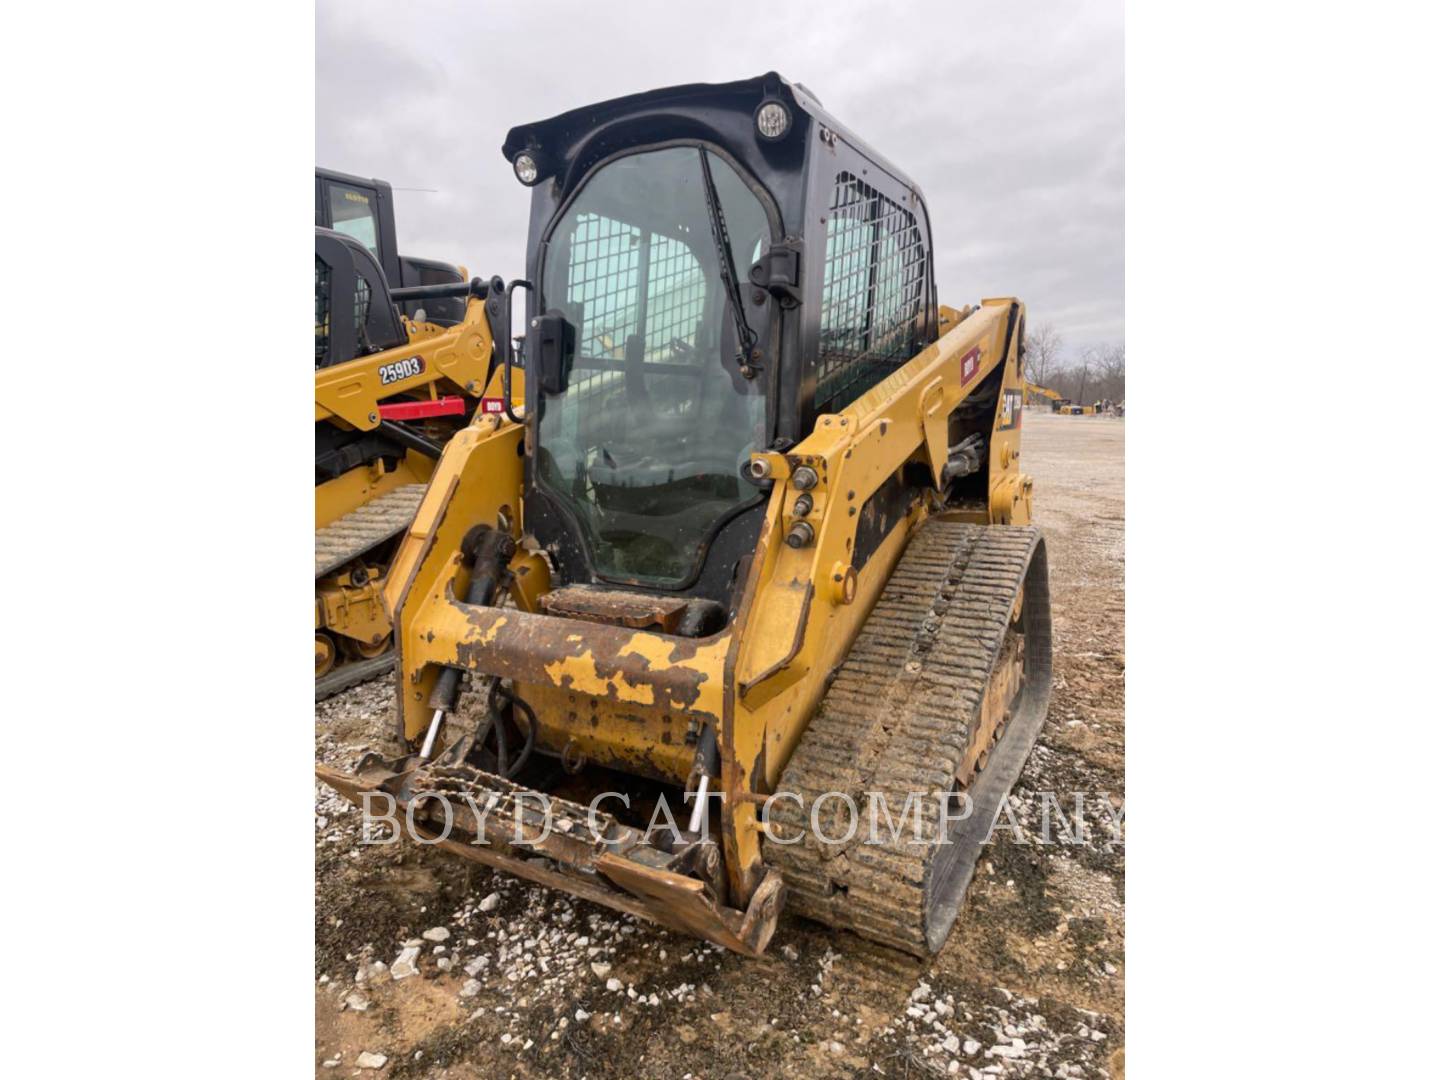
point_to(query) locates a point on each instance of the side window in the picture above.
(873, 292)
(352, 212)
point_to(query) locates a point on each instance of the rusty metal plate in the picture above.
(635, 610)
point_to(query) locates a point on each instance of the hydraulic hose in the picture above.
(504, 767)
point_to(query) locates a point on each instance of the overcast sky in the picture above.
(1009, 115)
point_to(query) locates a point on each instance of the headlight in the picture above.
(526, 171)
(773, 120)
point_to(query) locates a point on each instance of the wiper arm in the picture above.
(743, 333)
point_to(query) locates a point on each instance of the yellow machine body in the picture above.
(732, 334)
(350, 617)
(626, 698)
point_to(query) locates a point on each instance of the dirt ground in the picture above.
(1030, 984)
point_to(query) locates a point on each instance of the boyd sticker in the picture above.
(969, 365)
(401, 369)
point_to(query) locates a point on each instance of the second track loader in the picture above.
(751, 562)
(389, 393)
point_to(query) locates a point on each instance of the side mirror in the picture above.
(550, 346)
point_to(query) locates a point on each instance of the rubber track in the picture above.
(353, 673)
(897, 719)
(365, 527)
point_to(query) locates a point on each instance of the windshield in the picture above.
(647, 442)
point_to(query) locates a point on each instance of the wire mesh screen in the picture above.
(623, 281)
(873, 291)
(675, 300)
(362, 309)
(322, 310)
(604, 282)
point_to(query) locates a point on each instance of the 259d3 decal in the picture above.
(401, 369)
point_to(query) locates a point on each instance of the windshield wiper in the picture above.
(743, 333)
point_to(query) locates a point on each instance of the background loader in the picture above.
(756, 542)
(363, 208)
(1033, 390)
(390, 390)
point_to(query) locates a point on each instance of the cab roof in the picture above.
(568, 145)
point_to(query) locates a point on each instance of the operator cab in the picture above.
(354, 314)
(364, 209)
(713, 267)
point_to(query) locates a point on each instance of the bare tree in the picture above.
(1042, 353)
(1112, 372)
(1098, 375)
(1065, 382)
(1087, 362)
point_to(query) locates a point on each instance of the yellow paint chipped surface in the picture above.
(660, 654)
(585, 678)
(489, 635)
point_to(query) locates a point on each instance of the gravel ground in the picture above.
(428, 966)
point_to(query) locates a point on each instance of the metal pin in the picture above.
(430, 735)
(698, 814)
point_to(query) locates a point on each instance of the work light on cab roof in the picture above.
(526, 171)
(772, 120)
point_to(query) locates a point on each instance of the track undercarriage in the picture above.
(352, 630)
(940, 700)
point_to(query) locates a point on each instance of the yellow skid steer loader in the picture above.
(755, 545)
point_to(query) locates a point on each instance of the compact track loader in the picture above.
(389, 392)
(755, 547)
(363, 208)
